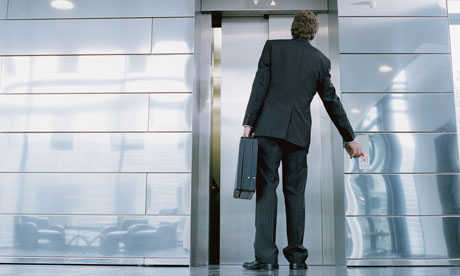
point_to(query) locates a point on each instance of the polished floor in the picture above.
(80, 270)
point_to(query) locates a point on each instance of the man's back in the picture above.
(290, 72)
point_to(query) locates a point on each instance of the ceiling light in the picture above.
(62, 4)
(354, 110)
(385, 69)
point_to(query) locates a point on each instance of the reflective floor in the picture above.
(74, 270)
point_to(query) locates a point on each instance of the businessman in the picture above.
(290, 72)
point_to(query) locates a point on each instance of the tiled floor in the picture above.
(53, 270)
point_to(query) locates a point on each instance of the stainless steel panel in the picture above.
(94, 236)
(242, 43)
(392, 8)
(396, 73)
(67, 112)
(402, 194)
(168, 194)
(408, 35)
(408, 152)
(132, 73)
(72, 193)
(406, 270)
(403, 237)
(95, 152)
(401, 112)
(69, 260)
(23, 9)
(164, 261)
(263, 5)
(3, 8)
(170, 112)
(173, 35)
(68, 36)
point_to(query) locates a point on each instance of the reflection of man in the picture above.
(290, 72)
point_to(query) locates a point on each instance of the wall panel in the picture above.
(400, 112)
(170, 112)
(95, 152)
(74, 112)
(401, 153)
(69, 36)
(26, 9)
(392, 8)
(394, 35)
(396, 73)
(94, 236)
(402, 237)
(72, 193)
(3, 8)
(168, 193)
(402, 194)
(111, 73)
(173, 35)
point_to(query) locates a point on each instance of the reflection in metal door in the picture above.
(242, 43)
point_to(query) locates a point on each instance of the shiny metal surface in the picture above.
(95, 152)
(71, 74)
(239, 62)
(224, 270)
(402, 237)
(72, 193)
(25, 9)
(199, 254)
(400, 112)
(263, 5)
(170, 112)
(80, 261)
(173, 35)
(3, 8)
(392, 8)
(396, 73)
(77, 112)
(94, 236)
(401, 153)
(408, 35)
(69, 36)
(168, 194)
(402, 194)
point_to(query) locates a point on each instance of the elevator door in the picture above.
(242, 43)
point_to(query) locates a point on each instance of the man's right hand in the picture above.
(248, 131)
(354, 150)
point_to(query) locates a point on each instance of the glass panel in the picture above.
(173, 35)
(69, 36)
(95, 236)
(396, 73)
(72, 193)
(95, 152)
(392, 8)
(88, 74)
(67, 112)
(408, 35)
(401, 153)
(21, 9)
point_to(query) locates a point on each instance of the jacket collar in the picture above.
(302, 39)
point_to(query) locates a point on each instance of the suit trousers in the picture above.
(271, 152)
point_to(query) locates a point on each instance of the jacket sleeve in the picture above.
(259, 87)
(332, 103)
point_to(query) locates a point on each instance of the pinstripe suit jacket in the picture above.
(290, 72)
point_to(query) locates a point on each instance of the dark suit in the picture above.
(290, 72)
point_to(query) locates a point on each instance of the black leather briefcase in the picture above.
(245, 184)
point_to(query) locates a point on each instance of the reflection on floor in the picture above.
(80, 270)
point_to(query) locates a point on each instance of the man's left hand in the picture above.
(354, 150)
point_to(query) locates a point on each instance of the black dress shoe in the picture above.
(254, 265)
(298, 266)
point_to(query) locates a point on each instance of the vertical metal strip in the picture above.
(214, 203)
